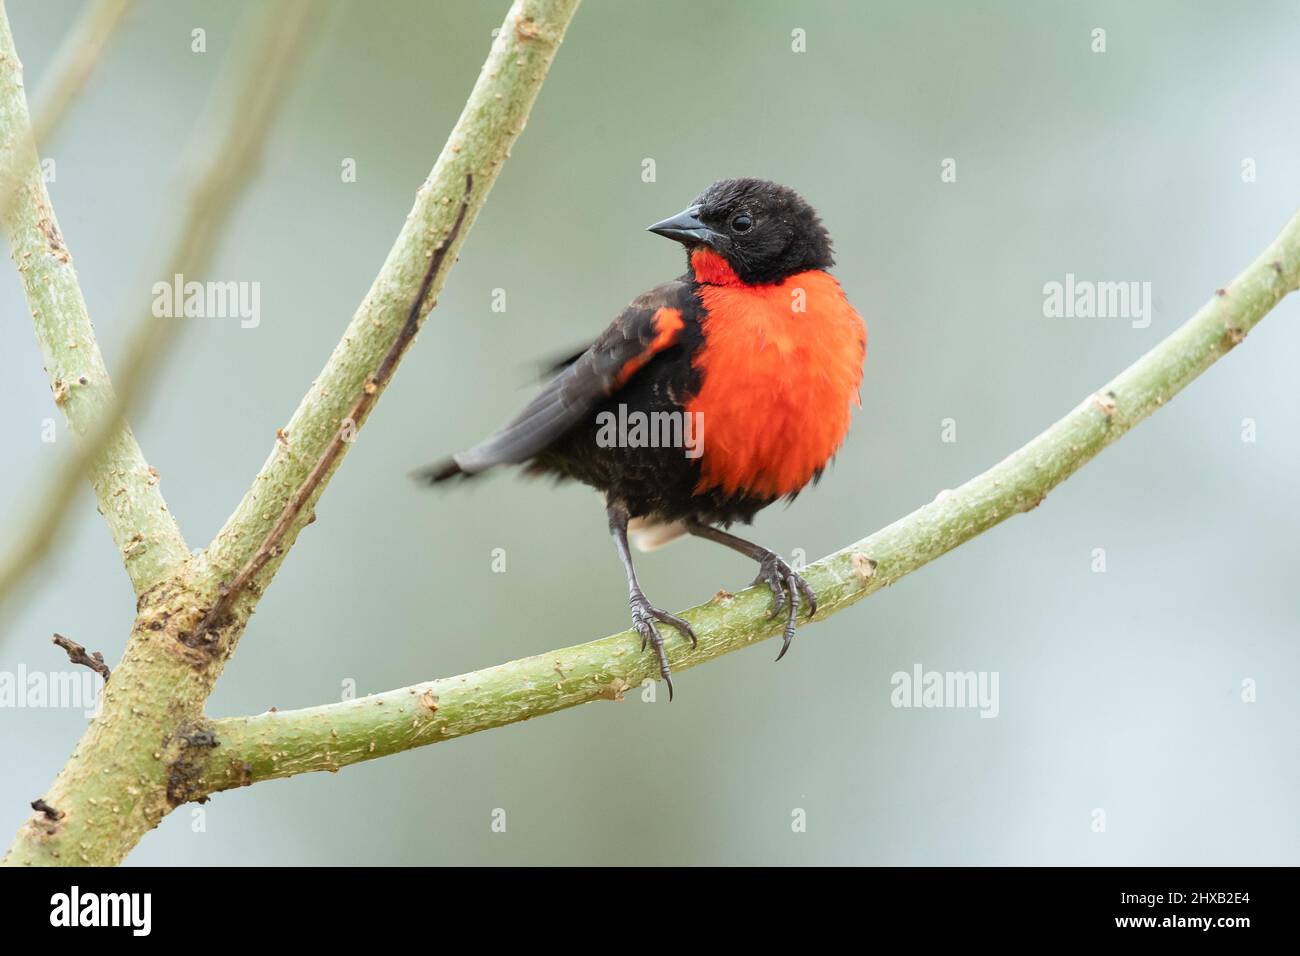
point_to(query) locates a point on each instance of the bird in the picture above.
(707, 399)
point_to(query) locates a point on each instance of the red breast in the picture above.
(780, 367)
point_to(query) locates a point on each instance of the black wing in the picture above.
(649, 325)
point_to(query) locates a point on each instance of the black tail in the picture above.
(442, 471)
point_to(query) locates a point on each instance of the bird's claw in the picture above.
(644, 616)
(787, 588)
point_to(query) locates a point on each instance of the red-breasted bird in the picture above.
(754, 353)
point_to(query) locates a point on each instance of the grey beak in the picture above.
(684, 227)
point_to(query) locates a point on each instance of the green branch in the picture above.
(285, 743)
(151, 544)
(142, 754)
(127, 491)
(491, 121)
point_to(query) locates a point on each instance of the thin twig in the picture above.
(75, 60)
(360, 410)
(47, 811)
(73, 64)
(77, 654)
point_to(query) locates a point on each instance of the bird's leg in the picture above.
(773, 570)
(644, 614)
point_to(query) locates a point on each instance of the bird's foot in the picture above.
(644, 617)
(787, 586)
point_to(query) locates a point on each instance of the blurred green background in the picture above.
(1119, 690)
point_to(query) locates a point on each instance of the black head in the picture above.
(765, 232)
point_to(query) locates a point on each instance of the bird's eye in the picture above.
(742, 223)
